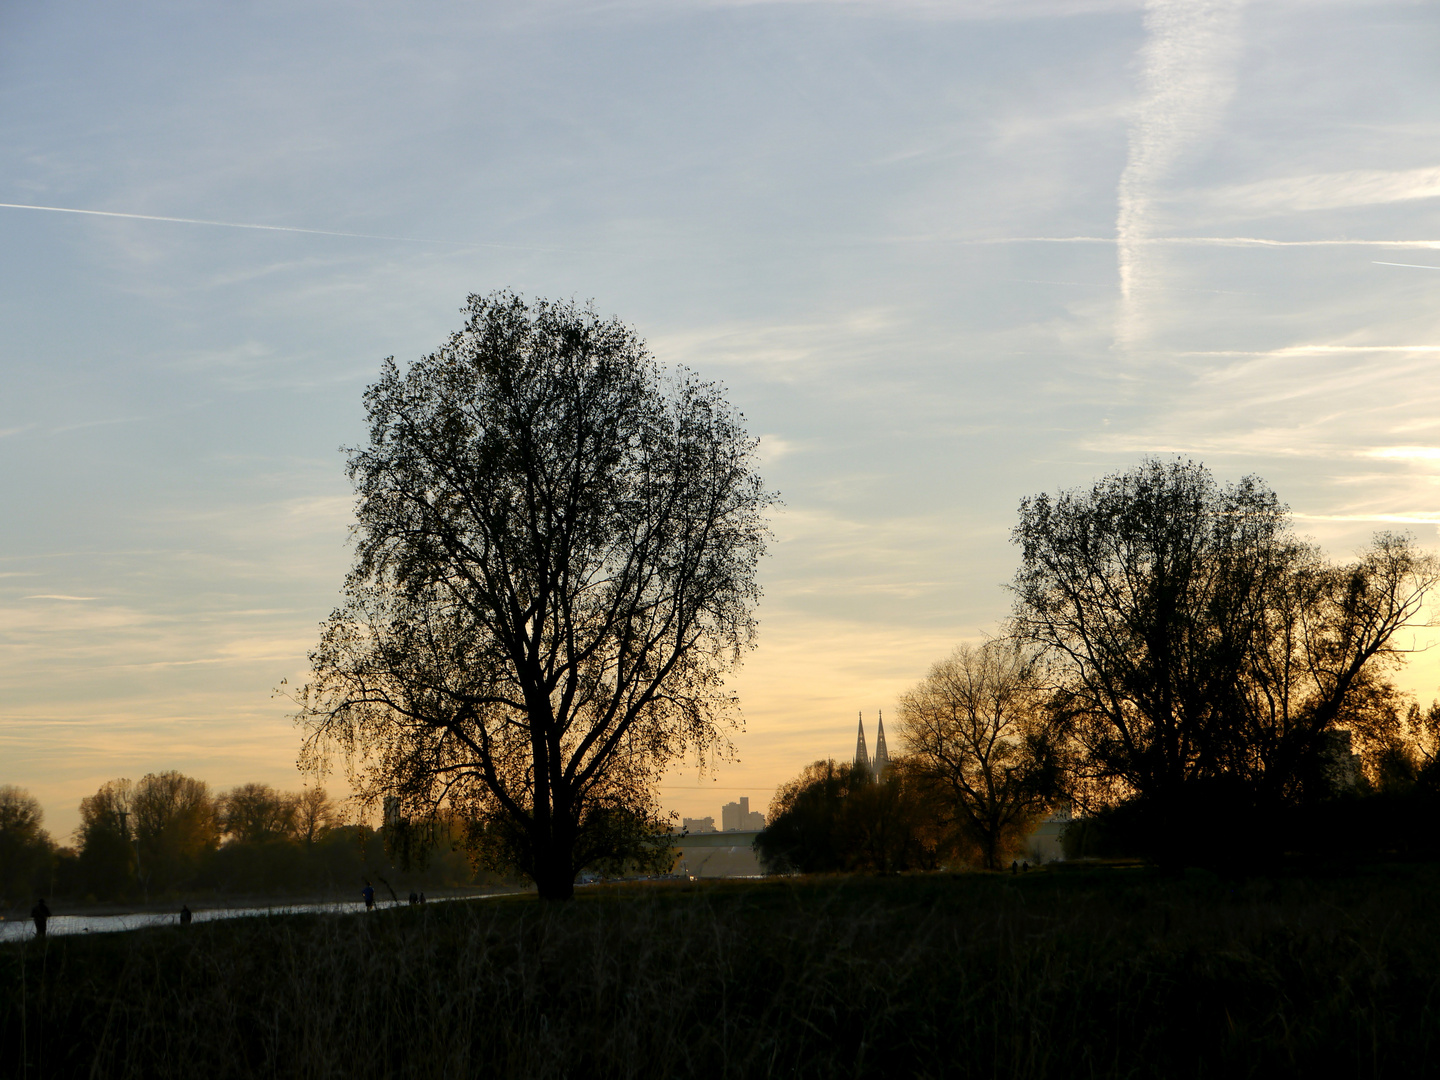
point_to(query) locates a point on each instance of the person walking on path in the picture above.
(41, 914)
(369, 894)
(185, 915)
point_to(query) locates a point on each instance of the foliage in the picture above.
(979, 730)
(176, 826)
(839, 818)
(257, 813)
(107, 859)
(26, 851)
(314, 813)
(277, 843)
(1205, 655)
(555, 569)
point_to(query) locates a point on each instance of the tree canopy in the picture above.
(979, 729)
(1203, 651)
(835, 817)
(556, 549)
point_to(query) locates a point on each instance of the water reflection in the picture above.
(21, 929)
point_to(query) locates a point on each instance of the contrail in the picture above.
(1413, 266)
(1188, 78)
(263, 228)
(1208, 241)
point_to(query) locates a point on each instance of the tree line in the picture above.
(167, 835)
(555, 573)
(1199, 683)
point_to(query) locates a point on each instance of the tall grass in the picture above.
(1050, 975)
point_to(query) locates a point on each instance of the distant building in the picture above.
(737, 817)
(881, 762)
(694, 825)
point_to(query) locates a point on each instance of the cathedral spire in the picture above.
(882, 756)
(862, 756)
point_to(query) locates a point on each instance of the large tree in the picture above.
(257, 813)
(25, 847)
(840, 817)
(556, 548)
(1205, 651)
(107, 856)
(176, 826)
(979, 728)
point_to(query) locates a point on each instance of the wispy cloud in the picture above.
(985, 10)
(1322, 191)
(1404, 453)
(1134, 243)
(1188, 58)
(772, 448)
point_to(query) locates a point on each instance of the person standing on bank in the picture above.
(41, 914)
(369, 894)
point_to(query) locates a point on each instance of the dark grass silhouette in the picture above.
(1099, 973)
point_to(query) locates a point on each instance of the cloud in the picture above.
(985, 10)
(1404, 453)
(772, 448)
(1321, 191)
(1137, 242)
(1188, 78)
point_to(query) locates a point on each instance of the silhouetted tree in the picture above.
(314, 813)
(176, 826)
(106, 866)
(25, 848)
(838, 817)
(257, 813)
(555, 568)
(1206, 653)
(978, 728)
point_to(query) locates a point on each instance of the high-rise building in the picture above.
(698, 825)
(738, 817)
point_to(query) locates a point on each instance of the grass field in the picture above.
(1064, 974)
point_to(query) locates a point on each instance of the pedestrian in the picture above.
(413, 898)
(422, 897)
(1015, 866)
(369, 894)
(1025, 867)
(185, 915)
(41, 914)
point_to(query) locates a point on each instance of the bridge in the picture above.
(718, 854)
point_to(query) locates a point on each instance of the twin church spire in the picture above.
(881, 762)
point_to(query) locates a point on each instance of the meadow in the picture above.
(1075, 973)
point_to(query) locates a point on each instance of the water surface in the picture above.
(60, 925)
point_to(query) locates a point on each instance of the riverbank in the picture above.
(66, 924)
(238, 901)
(1089, 973)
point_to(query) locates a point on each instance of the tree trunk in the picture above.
(554, 875)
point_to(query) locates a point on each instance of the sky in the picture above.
(943, 254)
